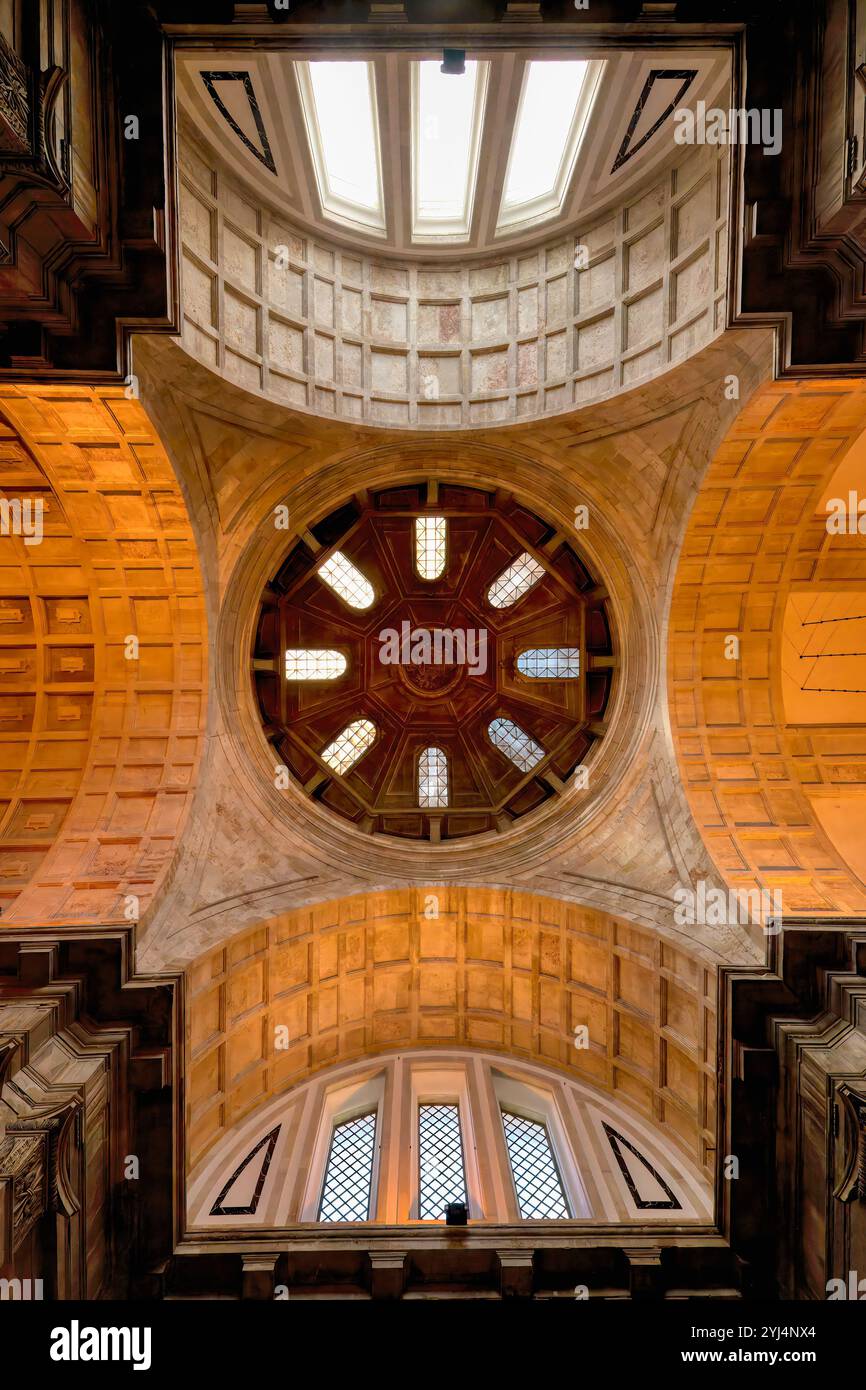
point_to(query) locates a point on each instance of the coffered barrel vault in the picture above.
(770, 734)
(506, 972)
(101, 737)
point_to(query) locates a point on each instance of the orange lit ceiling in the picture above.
(98, 752)
(772, 742)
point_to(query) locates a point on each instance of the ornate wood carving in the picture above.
(14, 101)
(852, 1186)
(23, 1187)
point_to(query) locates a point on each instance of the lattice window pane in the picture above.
(432, 778)
(550, 663)
(511, 740)
(540, 1193)
(347, 580)
(440, 1160)
(349, 746)
(314, 664)
(349, 1174)
(514, 582)
(431, 534)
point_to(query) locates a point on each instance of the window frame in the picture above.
(344, 1102)
(544, 207)
(535, 1103)
(522, 675)
(335, 207)
(440, 806)
(429, 516)
(344, 771)
(437, 1085)
(450, 231)
(353, 608)
(315, 680)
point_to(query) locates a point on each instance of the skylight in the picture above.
(550, 663)
(350, 746)
(515, 743)
(347, 580)
(515, 581)
(339, 104)
(430, 540)
(314, 664)
(432, 778)
(554, 109)
(447, 118)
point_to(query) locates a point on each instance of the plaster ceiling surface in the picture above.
(248, 104)
(625, 842)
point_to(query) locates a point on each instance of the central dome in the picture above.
(433, 661)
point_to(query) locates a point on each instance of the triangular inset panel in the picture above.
(250, 1186)
(633, 1174)
(239, 107)
(651, 111)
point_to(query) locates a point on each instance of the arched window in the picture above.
(350, 746)
(314, 664)
(432, 778)
(550, 663)
(348, 1183)
(515, 581)
(511, 740)
(431, 534)
(540, 1194)
(347, 581)
(441, 1175)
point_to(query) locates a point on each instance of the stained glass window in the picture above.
(347, 581)
(349, 1174)
(540, 1194)
(550, 663)
(511, 740)
(313, 664)
(430, 539)
(432, 778)
(515, 581)
(349, 746)
(440, 1160)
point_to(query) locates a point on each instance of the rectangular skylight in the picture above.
(447, 120)
(339, 105)
(554, 109)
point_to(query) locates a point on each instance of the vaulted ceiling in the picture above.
(100, 736)
(384, 150)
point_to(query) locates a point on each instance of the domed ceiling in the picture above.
(433, 661)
